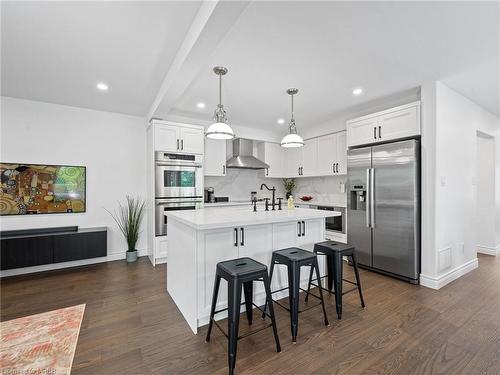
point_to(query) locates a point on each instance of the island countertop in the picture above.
(217, 217)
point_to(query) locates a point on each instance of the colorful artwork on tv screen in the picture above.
(41, 189)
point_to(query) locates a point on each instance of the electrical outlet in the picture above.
(443, 180)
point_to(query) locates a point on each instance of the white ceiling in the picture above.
(57, 51)
(328, 48)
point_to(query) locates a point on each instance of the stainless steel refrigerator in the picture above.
(383, 207)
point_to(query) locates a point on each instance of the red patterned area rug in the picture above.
(41, 344)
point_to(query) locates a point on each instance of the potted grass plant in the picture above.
(129, 217)
(289, 185)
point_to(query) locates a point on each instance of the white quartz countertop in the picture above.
(299, 203)
(217, 217)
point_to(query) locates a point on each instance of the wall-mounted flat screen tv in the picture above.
(41, 189)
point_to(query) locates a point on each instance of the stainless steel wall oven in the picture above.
(178, 185)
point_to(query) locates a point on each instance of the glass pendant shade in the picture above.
(292, 140)
(220, 129)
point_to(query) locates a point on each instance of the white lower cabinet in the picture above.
(218, 245)
(161, 243)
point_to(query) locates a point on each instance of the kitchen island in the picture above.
(199, 239)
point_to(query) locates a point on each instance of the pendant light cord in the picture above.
(220, 89)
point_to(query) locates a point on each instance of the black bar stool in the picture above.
(334, 252)
(294, 258)
(238, 273)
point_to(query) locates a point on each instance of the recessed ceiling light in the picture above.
(102, 86)
(357, 91)
(281, 121)
(200, 105)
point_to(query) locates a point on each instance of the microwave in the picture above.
(335, 224)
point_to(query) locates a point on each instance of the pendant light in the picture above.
(292, 139)
(220, 129)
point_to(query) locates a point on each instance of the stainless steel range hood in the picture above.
(243, 156)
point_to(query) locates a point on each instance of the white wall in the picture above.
(449, 125)
(456, 173)
(111, 146)
(485, 193)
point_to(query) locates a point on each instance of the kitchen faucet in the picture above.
(273, 204)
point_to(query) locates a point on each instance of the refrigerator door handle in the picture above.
(372, 197)
(368, 197)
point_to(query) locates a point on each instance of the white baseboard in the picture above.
(448, 277)
(489, 250)
(76, 263)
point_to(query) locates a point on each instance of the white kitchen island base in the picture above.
(198, 240)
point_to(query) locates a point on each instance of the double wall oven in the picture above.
(178, 185)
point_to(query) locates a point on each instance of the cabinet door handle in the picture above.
(182, 144)
(333, 167)
(235, 237)
(374, 132)
(242, 243)
(337, 168)
(223, 169)
(380, 132)
(298, 229)
(177, 144)
(267, 171)
(303, 228)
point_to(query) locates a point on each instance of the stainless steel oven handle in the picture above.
(188, 203)
(178, 164)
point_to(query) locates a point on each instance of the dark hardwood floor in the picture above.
(131, 326)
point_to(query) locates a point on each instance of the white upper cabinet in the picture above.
(179, 138)
(399, 124)
(215, 157)
(166, 138)
(362, 132)
(332, 154)
(293, 161)
(394, 123)
(341, 161)
(273, 155)
(192, 140)
(309, 163)
(327, 146)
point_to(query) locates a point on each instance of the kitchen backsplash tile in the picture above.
(238, 183)
(323, 189)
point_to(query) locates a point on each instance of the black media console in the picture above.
(34, 247)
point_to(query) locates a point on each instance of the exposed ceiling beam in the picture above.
(212, 22)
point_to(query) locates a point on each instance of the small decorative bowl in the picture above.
(306, 198)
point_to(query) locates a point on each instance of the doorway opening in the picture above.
(485, 194)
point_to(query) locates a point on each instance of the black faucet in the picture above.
(273, 204)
